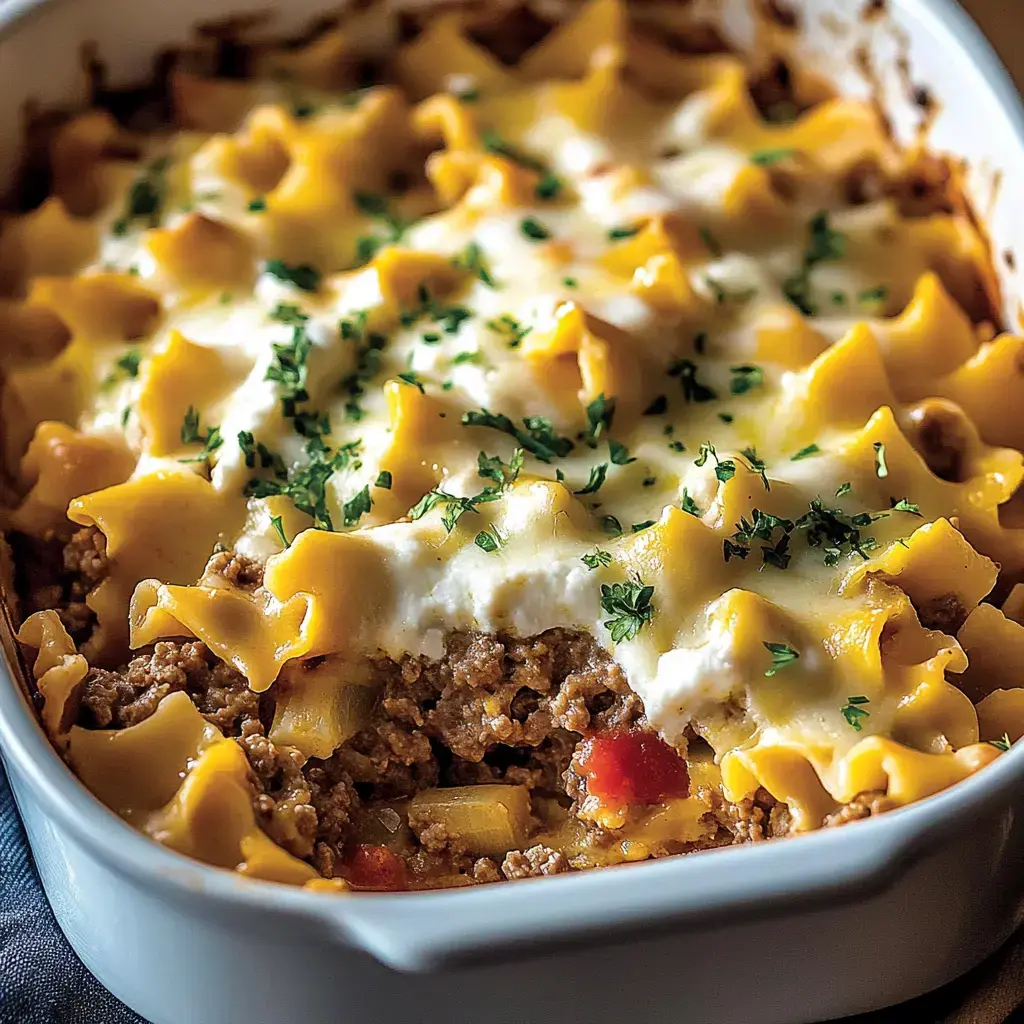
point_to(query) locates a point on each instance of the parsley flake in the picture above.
(383, 480)
(823, 244)
(301, 275)
(745, 378)
(782, 655)
(277, 523)
(1002, 744)
(693, 389)
(619, 453)
(689, 505)
(534, 230)
(489, 540)
(596, 481)
(630, 605)
(598, 559)
(806, 453)
(854, 713)
(538, 437)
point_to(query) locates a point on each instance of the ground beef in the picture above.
(534, 862)
(485, 870)
(131, 694)
(283, 802)
(863, 805)
(490, 690)
(754, 819)
(58, 573)
(239, 570)
(85, 555)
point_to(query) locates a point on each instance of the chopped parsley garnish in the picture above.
(649, 481)
(570, 282)
(257, 205)
(646, 524)
(710, 242)
(726, 417)
(191, 434)
(301, 275)
(772, 531)
(806, 453)
(881, 469)
(450, 318)
(843, 489)
(676, 446)
(549, 186)
(534, 230)
(454, 507)
(392, 226)
(905, 506)
(872, 296)
(693, 389)
(782, 655)
(510, 329)
(767, 157)
(288, 313)
(126, 414)
(745, 378)
(251, 448)
(368, 349)
(472, 258)
(383, 480)
(600, 413)
(467, 357)
(596, 481)
(657, 407)
(146, 197)
(611, 526)
(725, 469)
(277, 523)
(537, 435)
(288, 367)
(854, 713)
(356, 507)
(689, 505)
(722, 295)
(619, 453)
(700, 342)
(411, 378)
(839, 534)
(490, 467)
(620, 234)
(598, 558)
(823, 244)
(489, 540)
(630, 606)
(126, 367)
(306, 486)
(757, 465)
(1002, 744)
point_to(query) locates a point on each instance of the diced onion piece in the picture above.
(489, 820)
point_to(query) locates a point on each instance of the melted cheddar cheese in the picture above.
(588, 341)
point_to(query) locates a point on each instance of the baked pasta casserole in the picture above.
(457, 448)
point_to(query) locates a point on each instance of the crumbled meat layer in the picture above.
(58, 572)
(863, 805)
(494, 709)
(130, 695)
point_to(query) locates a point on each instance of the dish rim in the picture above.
(400, 930)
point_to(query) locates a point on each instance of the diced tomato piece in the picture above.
(376, 867)
(633, 768)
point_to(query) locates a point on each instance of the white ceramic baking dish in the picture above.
(820, 926)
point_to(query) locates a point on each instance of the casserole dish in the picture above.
(696, 931)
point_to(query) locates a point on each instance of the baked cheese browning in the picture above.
(526, 462)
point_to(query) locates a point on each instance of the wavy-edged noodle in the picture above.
(555, 463)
